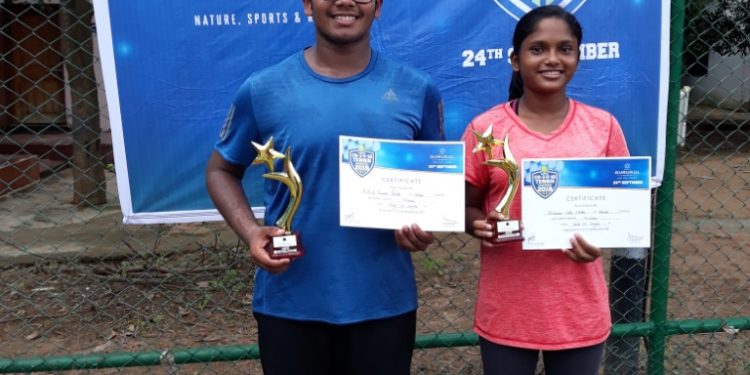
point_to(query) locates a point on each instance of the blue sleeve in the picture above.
(432, 128)
(239, 129)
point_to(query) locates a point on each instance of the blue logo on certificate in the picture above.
(545, 182)
(362, 161)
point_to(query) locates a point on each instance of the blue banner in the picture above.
(171, 69)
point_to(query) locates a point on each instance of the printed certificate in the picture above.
(387, 184)
(606, 200)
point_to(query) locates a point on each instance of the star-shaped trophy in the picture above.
(287, 245)
(506, 230)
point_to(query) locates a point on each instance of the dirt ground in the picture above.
(193, 299)
(159, 287)
(171, 291)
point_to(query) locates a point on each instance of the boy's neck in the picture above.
(338, 61)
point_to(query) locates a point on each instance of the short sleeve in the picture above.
(239, 129)
(617, 146)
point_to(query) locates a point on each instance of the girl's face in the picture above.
(548, 58)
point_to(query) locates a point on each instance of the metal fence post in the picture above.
(665, 200)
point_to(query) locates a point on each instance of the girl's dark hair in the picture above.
(527, 25)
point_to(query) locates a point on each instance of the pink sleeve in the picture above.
(616, 145)
(476, 174)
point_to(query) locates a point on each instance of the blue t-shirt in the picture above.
(347, 275)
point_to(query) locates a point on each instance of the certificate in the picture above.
(387, 184)
(606, 200)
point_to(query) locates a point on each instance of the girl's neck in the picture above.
(543, 114)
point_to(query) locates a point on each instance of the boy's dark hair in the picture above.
(527, 25)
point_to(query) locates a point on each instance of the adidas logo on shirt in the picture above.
(390, 96)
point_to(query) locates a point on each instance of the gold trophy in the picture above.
(505, 230)
(287, 245)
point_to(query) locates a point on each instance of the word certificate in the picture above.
(387, 184)
(606, 200)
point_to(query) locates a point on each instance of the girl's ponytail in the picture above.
(515, 89)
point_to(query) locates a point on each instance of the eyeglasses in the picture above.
(356, 1)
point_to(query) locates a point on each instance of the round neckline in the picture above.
(370, 65)
(571, 110)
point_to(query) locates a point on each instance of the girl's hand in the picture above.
(582, 251)
(482, 229)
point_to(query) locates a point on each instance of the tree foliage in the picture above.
(722, 26)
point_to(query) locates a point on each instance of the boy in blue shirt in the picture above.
(348, 306)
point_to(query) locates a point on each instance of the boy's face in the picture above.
(342, 22)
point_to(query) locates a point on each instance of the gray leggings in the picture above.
(507, 360)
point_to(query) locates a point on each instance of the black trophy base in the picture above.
(285, 246)
(504, 231)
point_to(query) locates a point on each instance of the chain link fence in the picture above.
(80, 291)
(710, 256)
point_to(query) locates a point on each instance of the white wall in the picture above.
(727, 83)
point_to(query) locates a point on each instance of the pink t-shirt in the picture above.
(540, 299)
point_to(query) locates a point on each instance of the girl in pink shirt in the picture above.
(530, 301)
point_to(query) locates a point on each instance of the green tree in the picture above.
(722, 26)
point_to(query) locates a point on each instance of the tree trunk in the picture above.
(77, 47)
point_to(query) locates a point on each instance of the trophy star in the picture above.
(486, 142)
(510, 168)
(292, 180)
(507, 163)
(266, 154)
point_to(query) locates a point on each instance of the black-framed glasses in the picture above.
(356, 1)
